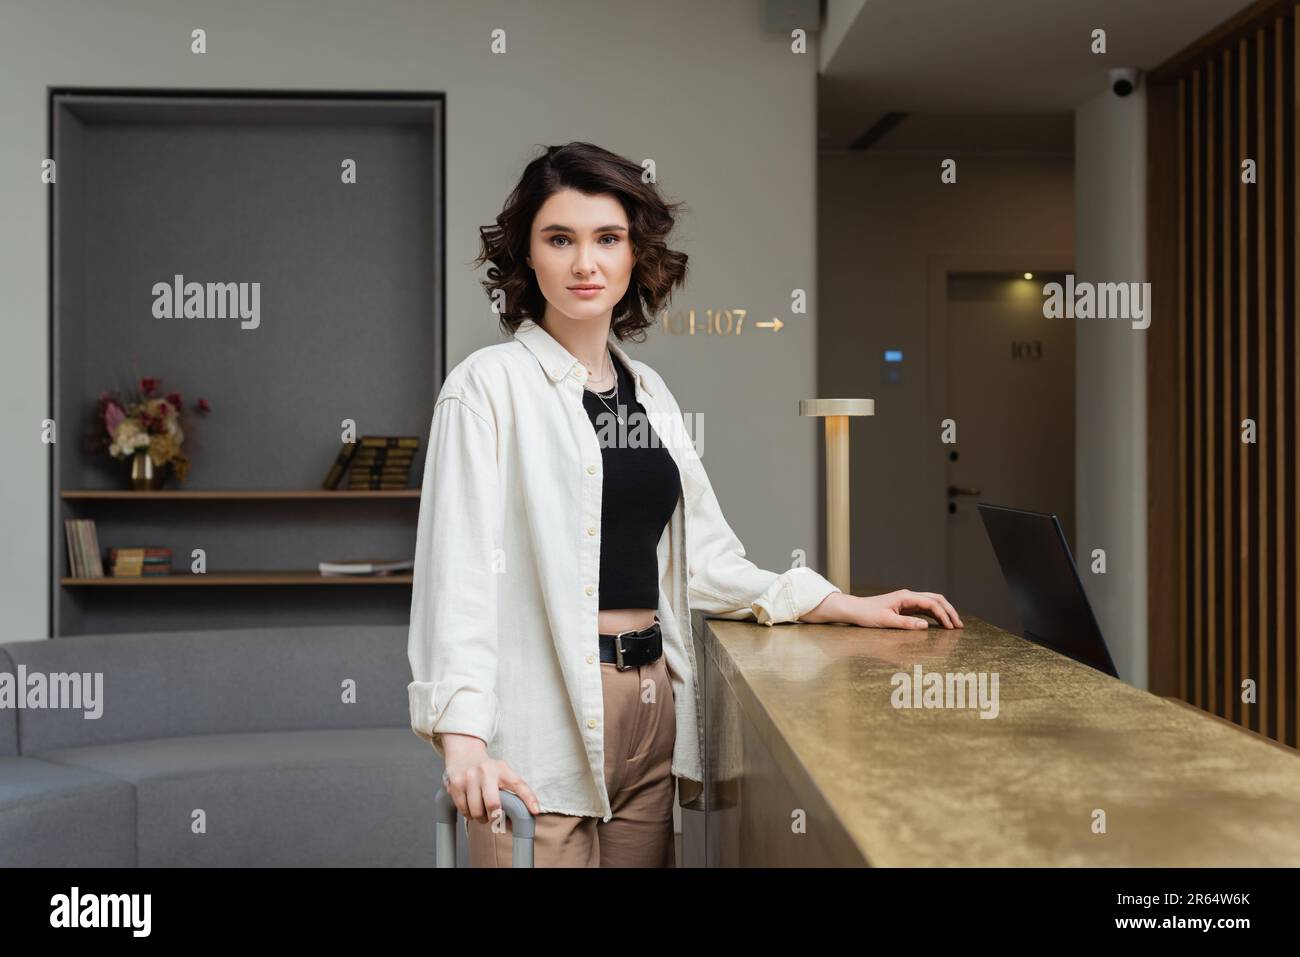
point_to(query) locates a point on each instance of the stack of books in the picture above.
(374, 462)
(83, 548)
(144, 562)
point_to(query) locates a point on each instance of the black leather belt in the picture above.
(628, 649)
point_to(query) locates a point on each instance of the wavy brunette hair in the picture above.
(588, 169)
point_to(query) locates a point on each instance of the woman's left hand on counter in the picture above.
(885, 611)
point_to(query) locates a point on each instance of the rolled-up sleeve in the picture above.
(724, 583)
(452, 645)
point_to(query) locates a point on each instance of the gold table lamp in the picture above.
(837, 412)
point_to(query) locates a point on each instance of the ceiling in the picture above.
(988, 76)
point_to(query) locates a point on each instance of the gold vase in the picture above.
(144, 476)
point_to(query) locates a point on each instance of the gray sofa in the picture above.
(246, 732)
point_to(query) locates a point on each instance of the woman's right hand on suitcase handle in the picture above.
(474, 779)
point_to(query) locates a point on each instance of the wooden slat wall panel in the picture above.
(1242, 564)
(1226, 181)
(1262, 619)
(1289, 640)
(1235, 259)
(1277, 450)
(1186, 90)
(1196, 565)
(1208, 397)
(1287, 515)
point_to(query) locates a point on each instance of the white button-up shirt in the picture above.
(503, 641)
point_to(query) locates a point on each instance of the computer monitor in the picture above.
(1045, 586)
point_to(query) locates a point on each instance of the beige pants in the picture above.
(640, 730)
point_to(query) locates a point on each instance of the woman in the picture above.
(567, 528)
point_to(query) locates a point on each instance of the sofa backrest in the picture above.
(8, 716)
(166, 684)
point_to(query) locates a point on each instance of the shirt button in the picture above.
(590, 589)
(591, 722)
(591, 470)
(591, 529)
(590, 658)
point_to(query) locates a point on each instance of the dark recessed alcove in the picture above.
(245, 188)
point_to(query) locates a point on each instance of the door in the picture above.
(1010, 390)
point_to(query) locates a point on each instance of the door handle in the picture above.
(954, 491)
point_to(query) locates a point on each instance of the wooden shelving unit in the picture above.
(244, 578)
(250, 495)
(269, 577)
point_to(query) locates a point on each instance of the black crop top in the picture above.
(639, 492)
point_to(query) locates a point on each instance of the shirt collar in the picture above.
(558, 361)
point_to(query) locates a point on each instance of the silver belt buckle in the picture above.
(618, 644)
(618, 649)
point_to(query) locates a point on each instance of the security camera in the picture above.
(1123, 81)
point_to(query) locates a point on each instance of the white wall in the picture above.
(726, 111)
(1110, 383)
(840, 15)
(882, 217)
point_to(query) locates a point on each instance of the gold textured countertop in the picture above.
(945, 787)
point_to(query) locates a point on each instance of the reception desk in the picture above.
(811, 763)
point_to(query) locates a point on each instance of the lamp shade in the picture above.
(837, 406)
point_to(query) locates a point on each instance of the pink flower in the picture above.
(202, 405)
(148, 384)
(175, 399)
(113, 416)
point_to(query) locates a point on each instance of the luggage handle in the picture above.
(522, 826)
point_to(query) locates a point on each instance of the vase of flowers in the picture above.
(147, 429)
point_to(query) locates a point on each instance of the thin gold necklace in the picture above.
(613, 394)
(610, 361)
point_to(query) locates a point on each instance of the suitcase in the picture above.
(446, 815)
